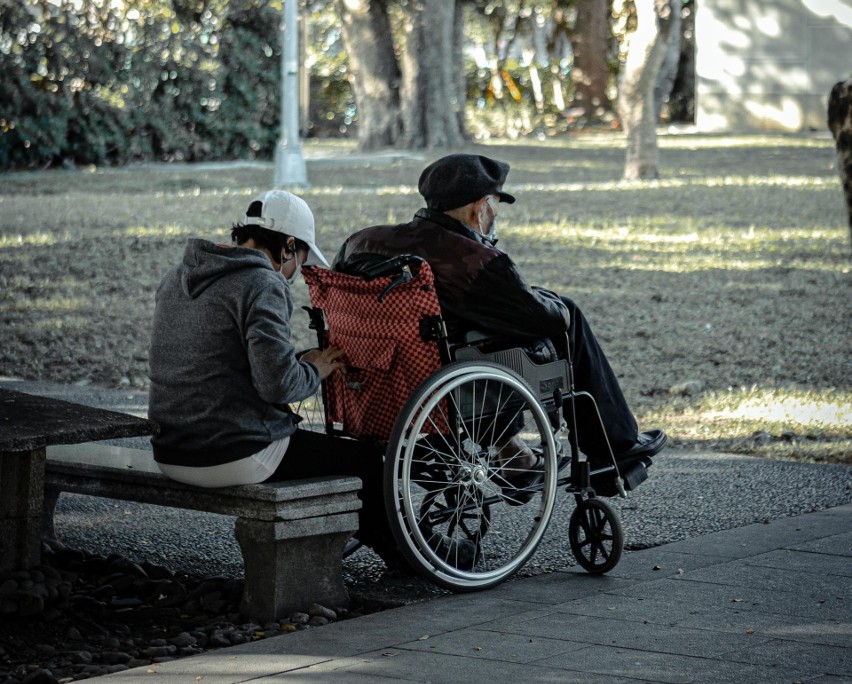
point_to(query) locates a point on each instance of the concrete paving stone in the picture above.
(652, 564)
(689, 614)
(559, 586)
(632, 608)
(758, 538)
(804, 561)
(390, 627)
(815, 658)
(834, 545)
(493, 645)
(807, 630)
(706, 594)
(743, 573)
(665, 667)
(224, 666)
(339, 670)
(629, 634)
(439, 668)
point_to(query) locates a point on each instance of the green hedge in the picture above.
(84, 82)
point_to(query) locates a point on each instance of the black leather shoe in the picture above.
(647, 444)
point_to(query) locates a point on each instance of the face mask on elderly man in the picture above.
(490, 235)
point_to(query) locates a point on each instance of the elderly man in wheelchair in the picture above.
(483, 389)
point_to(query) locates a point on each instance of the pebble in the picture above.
(99, 596)
(182, 640)
(316, 610)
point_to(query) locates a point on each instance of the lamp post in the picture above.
(290, 167)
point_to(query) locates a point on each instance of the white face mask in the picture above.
(491, 235)
(296, 271)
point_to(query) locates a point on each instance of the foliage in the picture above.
(103, 82)
(91, 81)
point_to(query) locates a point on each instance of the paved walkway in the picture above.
(763, 603)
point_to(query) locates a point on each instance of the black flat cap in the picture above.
(459, 179)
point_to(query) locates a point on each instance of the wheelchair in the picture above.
(452, 416)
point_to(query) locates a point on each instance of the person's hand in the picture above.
(327, 361)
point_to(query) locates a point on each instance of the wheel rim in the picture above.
(449, 482)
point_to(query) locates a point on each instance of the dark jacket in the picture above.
(221, 364)
(479, 287)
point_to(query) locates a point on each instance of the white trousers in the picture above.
(249, 470)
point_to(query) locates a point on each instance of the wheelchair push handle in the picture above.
(400, 265)
(390, 266)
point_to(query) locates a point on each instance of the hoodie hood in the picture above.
(205, 262)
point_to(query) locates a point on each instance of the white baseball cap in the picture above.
(283, 212)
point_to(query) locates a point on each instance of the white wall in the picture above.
(769, 64)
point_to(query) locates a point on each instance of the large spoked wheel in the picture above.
(463, 514)
(595, 534)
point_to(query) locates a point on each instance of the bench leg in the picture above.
(291, 564)
(21, 496)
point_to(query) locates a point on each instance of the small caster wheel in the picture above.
(595, 534)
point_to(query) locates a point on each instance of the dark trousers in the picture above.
(314, 454)
(593, 374)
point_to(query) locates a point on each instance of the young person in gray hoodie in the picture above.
(223, 370)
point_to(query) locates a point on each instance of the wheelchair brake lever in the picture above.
(404, 276)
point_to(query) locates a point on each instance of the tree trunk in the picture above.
(646, 49)
(373, 71)
(432, 112)
(457, 74)
(668, 69)
(682, 96)
(591, 70)
(840, 125)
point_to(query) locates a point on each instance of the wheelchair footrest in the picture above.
(634, 475)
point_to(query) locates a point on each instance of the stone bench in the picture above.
(292, 534)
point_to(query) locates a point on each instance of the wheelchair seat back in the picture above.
(383, 325)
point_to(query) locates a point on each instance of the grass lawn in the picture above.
(721, 292)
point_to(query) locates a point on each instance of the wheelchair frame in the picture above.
(455, 512)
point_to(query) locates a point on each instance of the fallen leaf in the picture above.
(749, 631)
(736, 600)
(388, 654)
(423, 638)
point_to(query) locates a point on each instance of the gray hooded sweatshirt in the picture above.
(221, 364)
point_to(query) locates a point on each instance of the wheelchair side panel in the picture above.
(543, 378)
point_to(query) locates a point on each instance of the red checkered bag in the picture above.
(384, 351)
